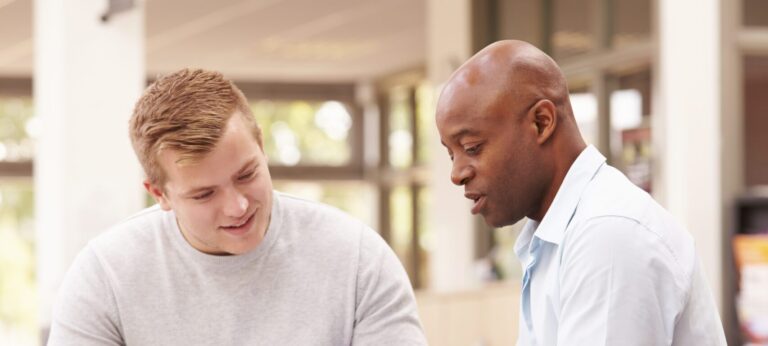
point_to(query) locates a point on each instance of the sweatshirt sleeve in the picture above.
(385, 311)
(85, 311)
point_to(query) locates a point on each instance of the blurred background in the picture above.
(674, 93)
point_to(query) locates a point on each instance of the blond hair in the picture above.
(187, 112)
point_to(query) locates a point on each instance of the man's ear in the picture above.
(158, 195)
(545, 119)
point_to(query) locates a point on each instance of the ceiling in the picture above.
(260, 40)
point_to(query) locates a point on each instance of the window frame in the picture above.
(415, 177)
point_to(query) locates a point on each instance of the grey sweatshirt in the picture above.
(318, 278)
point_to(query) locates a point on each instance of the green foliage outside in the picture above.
(294, 134)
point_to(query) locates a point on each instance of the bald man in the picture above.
(604, 264)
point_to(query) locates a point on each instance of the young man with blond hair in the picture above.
(222, 259)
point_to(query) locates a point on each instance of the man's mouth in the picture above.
(239, 228)
(478, 199)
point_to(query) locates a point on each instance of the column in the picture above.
(687, 130)
(448, 46)
(88, 75)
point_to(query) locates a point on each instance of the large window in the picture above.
(305, 133)
(311, 132)
(18, 293)
(16, 124)
(630, 126)
(584, 104)
(406, 112)
(18, 289)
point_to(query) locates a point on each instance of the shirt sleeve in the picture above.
(385, 311)
(85, 311)
(619, 285)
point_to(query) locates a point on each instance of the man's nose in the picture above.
(461, 174)
(236, 204)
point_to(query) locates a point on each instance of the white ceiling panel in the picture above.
(274, 40)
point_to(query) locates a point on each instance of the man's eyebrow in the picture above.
(463, 132)
(252, 163)
(456, 136)
(196, 190)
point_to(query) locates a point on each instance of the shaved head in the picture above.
(506, 120)
(513, 69)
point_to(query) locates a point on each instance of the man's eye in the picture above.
(246, 176)
(473, 149)
(203, 195)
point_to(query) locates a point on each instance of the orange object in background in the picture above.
(751, 255)
(750, 249)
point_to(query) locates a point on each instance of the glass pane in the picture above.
(353, 197)
(755, 120)
(573, 29)
(755, 13)
(305, 133)
(630, 136)
(400, 132)
(506, 264)
(18, 127)
(496, 260)
(426, 236)
(18, 297)
(631, 22)
(401, 233)
(584, 106)
(148, 199)
(425, 113)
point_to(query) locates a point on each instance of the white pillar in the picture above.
(88, 75)
(732, 120)
(687, 125)
(449, 45)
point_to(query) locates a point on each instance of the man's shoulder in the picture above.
(123, 252)
(321, 224)
(611, 195)
(618, 211)
(297, 211)
(133, 235)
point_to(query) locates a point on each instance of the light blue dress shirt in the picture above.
(607, 265)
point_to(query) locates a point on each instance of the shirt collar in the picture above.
(552, 227)
(523, 241)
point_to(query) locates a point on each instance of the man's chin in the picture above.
(490, 221)
(496, 222)
(240, 250)
(247, 244)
